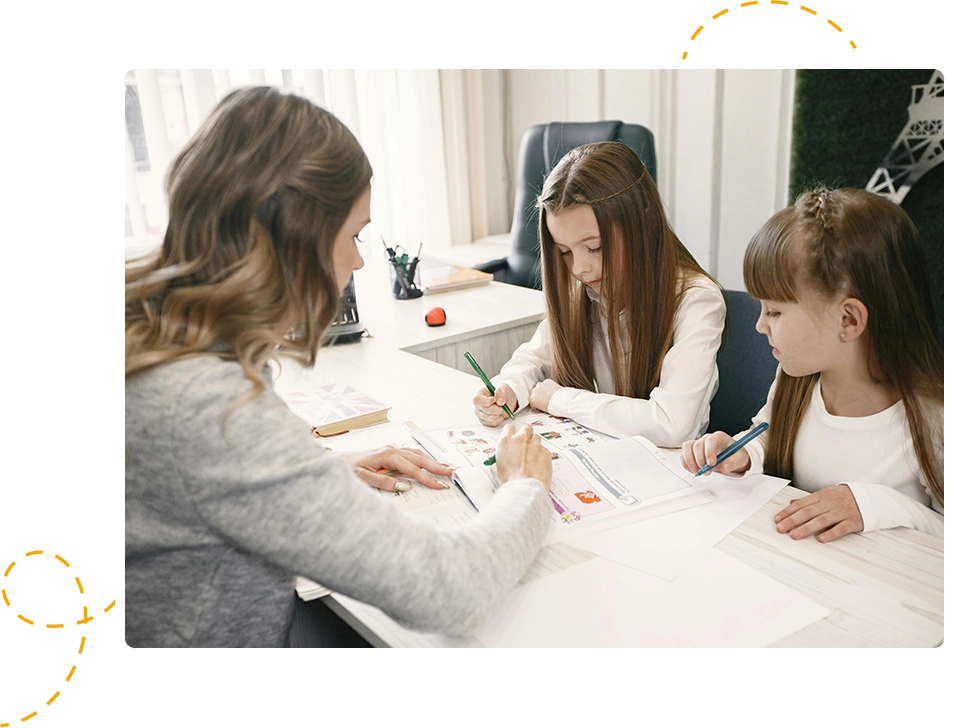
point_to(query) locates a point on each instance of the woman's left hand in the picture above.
(542, 393)
(831, 513)
(373, 468)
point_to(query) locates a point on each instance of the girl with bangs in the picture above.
(633, 322)
(856, 409)
(228, 497)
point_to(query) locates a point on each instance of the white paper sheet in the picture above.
(717, 602)
(668, 545)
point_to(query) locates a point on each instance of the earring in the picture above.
(843, 335)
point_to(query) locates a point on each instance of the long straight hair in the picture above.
(646, 269)
(256, 199)
(853, 243)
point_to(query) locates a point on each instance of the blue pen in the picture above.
(734, 448)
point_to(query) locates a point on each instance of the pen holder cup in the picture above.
(405, 280)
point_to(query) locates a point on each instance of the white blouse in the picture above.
(677, 409)
(873, 455)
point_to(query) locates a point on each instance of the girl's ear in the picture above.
(854, 319)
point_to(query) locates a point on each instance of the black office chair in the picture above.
(746, 367)
(542, 146)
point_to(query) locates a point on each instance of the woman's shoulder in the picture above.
(196, 401)
(183, 373)
(209, 380)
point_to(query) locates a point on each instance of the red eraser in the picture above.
(435, 317)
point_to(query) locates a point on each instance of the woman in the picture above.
(227, 497)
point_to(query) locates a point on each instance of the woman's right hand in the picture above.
(521, 454)
(705, 450)
(489, 407)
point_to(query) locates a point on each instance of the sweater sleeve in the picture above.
(884, 507)
(678, 408)
(264, 485)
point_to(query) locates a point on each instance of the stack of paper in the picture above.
(437, 276)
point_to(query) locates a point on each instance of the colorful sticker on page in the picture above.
(573, 497)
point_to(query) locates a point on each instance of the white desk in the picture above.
(883, 588)
(489, 321)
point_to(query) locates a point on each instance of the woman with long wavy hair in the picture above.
(227, 496)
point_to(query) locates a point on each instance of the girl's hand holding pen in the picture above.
(705, 450)
(521, 454)
(489, 407)
(375, 468)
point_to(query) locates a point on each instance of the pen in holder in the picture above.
(404, 280)
(404, 275)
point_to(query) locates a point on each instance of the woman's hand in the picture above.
(830, 512)
(521, 454)
(542, 393)
(375, 467)
(489, 407)
(705, 450)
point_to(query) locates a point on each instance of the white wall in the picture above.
(723, 140)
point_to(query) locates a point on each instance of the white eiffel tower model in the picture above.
(920, 145)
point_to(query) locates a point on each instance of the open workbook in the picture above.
(598, 481)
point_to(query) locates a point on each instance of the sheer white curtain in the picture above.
(411, 124)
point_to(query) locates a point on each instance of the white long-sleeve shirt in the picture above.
(677, 409)
(873, 455)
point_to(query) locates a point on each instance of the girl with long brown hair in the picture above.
(228, 498)
(857, 406)
(633, 322)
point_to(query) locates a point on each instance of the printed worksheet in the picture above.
(596, 479)
(471, 445)
(445, 507)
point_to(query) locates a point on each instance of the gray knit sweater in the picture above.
(222, 513)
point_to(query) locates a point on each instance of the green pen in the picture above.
(490, 387)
